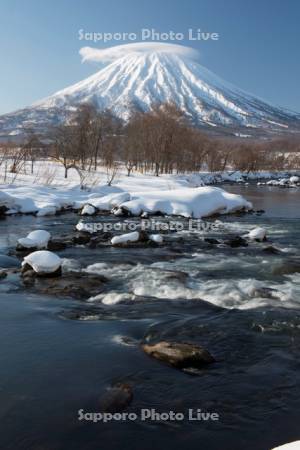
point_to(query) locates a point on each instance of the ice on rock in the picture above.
(43, 261)
(88, 210)
(35, 239)
(258, 234)
(124, 238)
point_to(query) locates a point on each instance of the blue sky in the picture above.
(258, 48)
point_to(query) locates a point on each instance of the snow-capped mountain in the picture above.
(140, 79)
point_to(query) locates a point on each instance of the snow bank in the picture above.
(43, 261)
(187, 202)
(110, 201)
(124, 238)
(35, 239)
(17, 205)
(157, 196)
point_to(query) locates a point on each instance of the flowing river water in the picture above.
(59, 355)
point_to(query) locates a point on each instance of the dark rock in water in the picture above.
(100, 239)
(8, 261)
(28, 277)
(55, 245)
(3, 274)
(25, 250)
(180, 355)
(3, 210)
(236, 241)
(81, 314)
(143, 236)
(81, 238)
(265, 292)
(26, 268)
(76, 285)
(28, 272)
(143, 241)
(212, 241)
(117, 398)
(271, 250)
(287, 267)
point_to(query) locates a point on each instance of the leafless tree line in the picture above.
(159, 141)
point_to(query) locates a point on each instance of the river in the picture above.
(60, 355)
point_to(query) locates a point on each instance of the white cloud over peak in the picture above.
(110, 54)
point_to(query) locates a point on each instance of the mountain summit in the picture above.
(138, 79)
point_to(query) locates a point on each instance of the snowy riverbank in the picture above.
(47, 192)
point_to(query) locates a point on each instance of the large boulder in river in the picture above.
(3, 210)
(179, 354)
(77, 285)
(81, 238)
(56, 245)
(236, 241)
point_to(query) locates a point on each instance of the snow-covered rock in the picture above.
(26, 243)
(43, 261)
(290, 446)
(156, 238)
(124, 238)
(257, 234)
(294, 179)
(35, 239)
(187, 202)
(88, 210)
